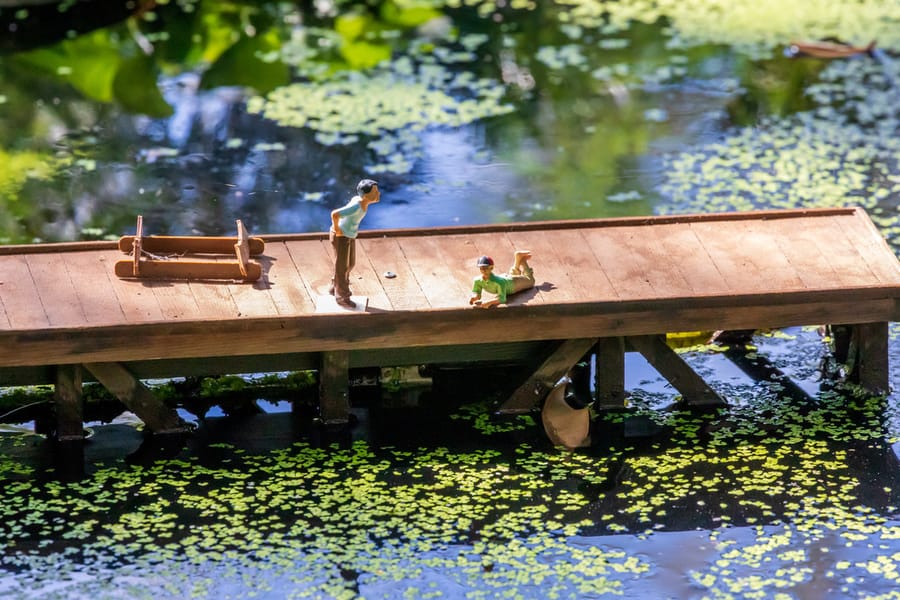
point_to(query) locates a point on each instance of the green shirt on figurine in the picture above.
(495, 284)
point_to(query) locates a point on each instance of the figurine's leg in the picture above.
(522, 282)
(337, 260)
(341, 279)
(521, 274)
(351, 262)
(520, 263)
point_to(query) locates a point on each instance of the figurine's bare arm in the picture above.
(476, 301)
(335, 217)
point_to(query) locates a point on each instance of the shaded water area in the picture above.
(195, 114)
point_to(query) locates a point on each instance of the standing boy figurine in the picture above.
(519, 278)
(344, 227)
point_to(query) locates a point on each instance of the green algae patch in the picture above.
(754, 27)
(767, 479)
(482, 419)
(844, 152)
(312, 520)
(385, 109)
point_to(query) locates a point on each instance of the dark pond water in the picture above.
(190, 113)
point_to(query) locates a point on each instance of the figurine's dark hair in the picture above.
(365, 186)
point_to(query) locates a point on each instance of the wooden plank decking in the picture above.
(62, 303)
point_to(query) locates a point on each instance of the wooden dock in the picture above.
(605, 286)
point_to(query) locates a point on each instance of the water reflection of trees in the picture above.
(97, 105)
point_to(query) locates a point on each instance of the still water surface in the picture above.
(791, 492)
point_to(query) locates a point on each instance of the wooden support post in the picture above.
(840, 345)
(666, 361)
(527, 397)
(158, 417)
(872, 372)
(334, 387)
(69, 403)
(609, 362)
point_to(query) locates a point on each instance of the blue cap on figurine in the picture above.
(485, 261)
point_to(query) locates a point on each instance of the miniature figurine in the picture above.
(520, 277)
(344, 227)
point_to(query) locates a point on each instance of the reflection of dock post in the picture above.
(68, 403)
(675, 370)
(609, 372)
(334, 387)
(863, 350)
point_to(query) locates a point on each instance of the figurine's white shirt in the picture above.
(350, 216)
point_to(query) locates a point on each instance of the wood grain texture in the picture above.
(56, 290)
(624, 263)
(21, 298)
(444, 269)
(871, 247)
(386, 256)
(800, 246)
(848, 264)
(283, 282)
(586, 266)
(555, 278)
(688, 254)
(314, 263)
(90, 276)
(595, 279)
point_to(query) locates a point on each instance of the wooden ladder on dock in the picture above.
(148, 262)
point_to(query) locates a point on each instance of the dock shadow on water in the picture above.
(431, 495)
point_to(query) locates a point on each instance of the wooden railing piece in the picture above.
(190, 269)
(176, 244)
(241, 247)
(138, 246)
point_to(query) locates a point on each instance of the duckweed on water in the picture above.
(483, 421)
(844, 152)
(752, 26)
(305, 519)
(386, 107)
(520, 521)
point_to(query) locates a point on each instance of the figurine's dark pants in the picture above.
(344, 260)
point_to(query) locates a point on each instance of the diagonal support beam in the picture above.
(535, 389)
(158, 417)
(683, 378)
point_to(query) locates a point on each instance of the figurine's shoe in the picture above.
(346, 302)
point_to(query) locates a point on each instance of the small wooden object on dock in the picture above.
(146, 263)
